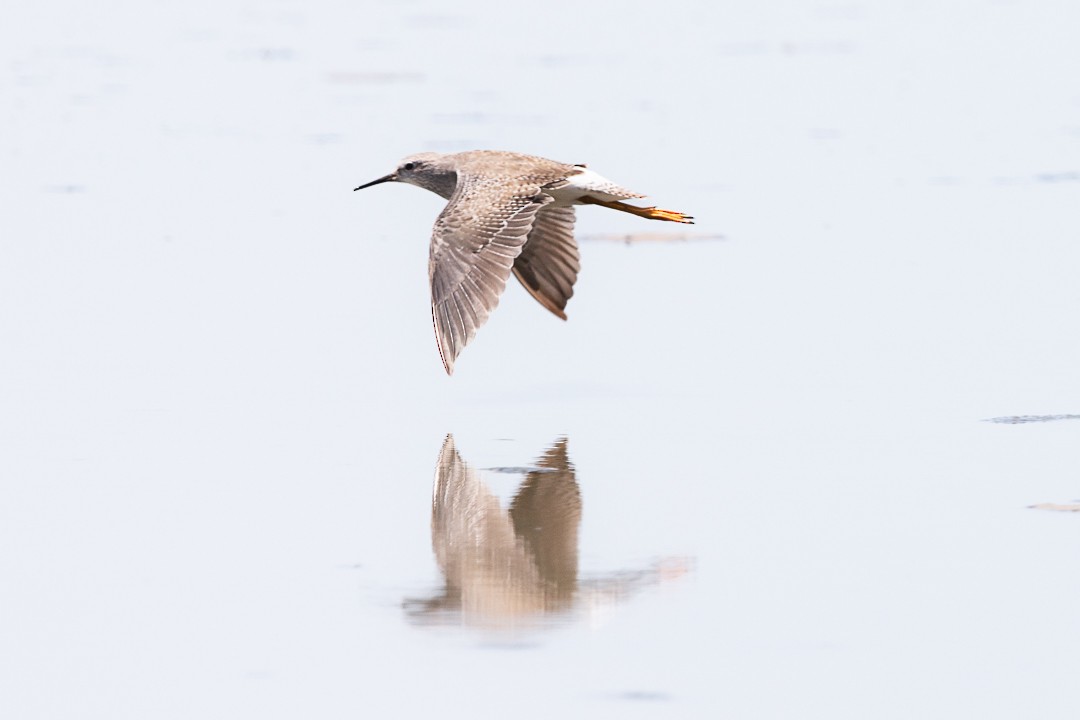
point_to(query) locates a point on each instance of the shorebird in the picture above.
(506, 212)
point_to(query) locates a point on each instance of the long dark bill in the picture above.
(386, 178)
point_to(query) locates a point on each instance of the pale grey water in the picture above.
(221, 406)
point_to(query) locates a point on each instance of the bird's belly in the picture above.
(588, 183)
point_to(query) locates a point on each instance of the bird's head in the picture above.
(423, 170)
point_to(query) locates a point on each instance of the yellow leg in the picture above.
(652, 213)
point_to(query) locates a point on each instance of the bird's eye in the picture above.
(409, 166)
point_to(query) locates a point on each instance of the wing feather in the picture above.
(476, 240)
(549, 263)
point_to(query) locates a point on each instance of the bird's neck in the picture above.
(442, 184)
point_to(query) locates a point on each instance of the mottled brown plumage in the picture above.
(505, 212)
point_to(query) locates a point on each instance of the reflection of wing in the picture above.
(468, 526)
(505, 569)
(548, 264)
(488, 572)
(474, 244)
(547, 513)
(499, 565)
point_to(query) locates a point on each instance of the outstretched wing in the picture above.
(548, 265)
(476, 239)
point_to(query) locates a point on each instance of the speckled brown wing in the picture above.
(476, 240)
(549, 263)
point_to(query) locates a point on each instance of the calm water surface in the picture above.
(751, 476)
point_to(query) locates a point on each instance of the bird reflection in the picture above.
(507, 568)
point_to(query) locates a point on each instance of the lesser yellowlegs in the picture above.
(506, 212)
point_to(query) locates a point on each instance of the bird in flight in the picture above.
(506, 212)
